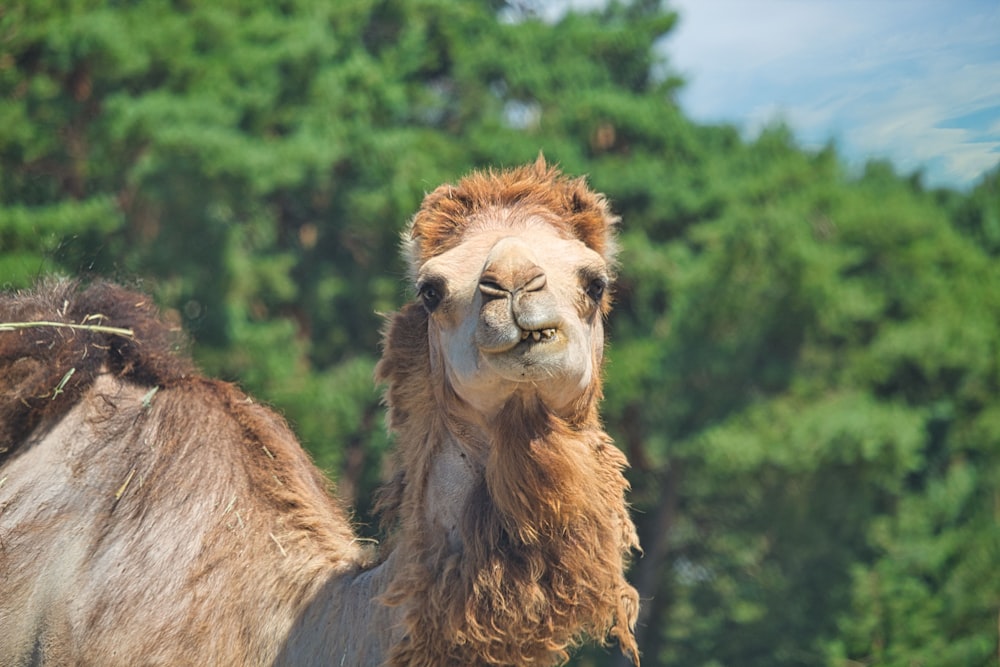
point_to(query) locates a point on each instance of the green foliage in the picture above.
(804, 365)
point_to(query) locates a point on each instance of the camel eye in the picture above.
(431, 294)
(596, 288)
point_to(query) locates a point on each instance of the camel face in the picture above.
(516, 308)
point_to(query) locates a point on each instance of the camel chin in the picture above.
(553, 370)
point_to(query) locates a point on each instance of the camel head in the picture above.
(514, 270)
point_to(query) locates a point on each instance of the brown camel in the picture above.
(151, 516)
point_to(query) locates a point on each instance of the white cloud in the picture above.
(884, 78)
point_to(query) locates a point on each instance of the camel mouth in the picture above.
(541, 341)
(538, 335)
(513, 340)
(533, 345)
(501, 331)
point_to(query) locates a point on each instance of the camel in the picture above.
(150, 515)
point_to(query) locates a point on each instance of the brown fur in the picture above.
(549, 527)
(35, 360)
(187, 526)
(171, 491)
(567, 204)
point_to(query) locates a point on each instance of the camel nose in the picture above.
(495, 284)
(511, 270)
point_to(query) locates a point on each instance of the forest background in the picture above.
(804, 366)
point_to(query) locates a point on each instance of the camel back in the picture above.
(112, 444)
(56, 339)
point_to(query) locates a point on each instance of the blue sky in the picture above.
(913, 81)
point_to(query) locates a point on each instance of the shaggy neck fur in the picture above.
(535, 560)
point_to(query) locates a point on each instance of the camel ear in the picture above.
(540, 167)
(587, 212)
(437, 225)
(409, 246)
(592, 220)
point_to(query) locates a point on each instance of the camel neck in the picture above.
(347, 621)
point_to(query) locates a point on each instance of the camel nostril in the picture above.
(534, 283)
(492, 288)
(505, 279)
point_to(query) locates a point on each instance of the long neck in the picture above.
(512, 532)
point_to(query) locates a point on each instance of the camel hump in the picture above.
(57, 337)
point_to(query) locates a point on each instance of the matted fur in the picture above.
(35, 360)
(547, 535)
(188, 526)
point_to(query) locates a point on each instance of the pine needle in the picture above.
(147, 400)
(96, 328)
(283, 552)
(128, 479)
(62, 383)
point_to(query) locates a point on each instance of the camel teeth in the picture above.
(537, 334)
